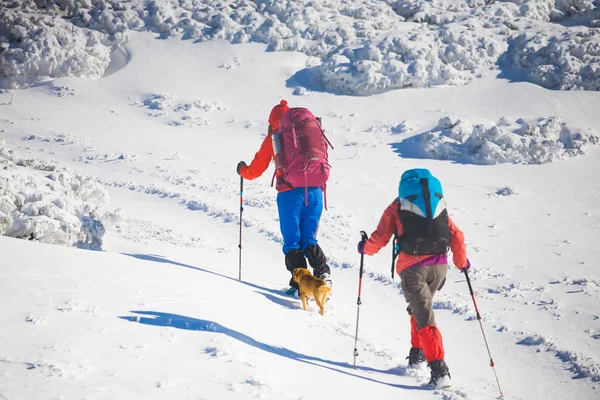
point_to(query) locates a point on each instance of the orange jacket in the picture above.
(390, 224)
(260, 163)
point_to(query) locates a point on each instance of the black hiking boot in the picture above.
(415, 357)
(318, 262)
(293, 289)
(440, 375)
(294, 259)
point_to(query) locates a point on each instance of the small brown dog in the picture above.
(311, 287)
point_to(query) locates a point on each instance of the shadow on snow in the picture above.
(271, 294)
(156, 318)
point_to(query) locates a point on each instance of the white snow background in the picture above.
(133, 175)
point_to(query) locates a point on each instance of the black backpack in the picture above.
(423, 214)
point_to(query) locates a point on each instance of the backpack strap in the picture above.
(305, 194)
(425, 184)
(305, 181)
(324, 189)
(323, 132)
(294, 135)
(330, 145)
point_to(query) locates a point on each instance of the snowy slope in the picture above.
(160, 313)
(361, 47)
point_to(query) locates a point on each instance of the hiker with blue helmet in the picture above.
(425, 231)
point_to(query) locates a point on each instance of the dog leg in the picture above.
(319, 301)
(303, 298)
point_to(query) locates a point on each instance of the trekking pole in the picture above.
(394, 253)
(484, 338)
(363, 235)
(241, 211)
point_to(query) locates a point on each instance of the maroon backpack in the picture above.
(301, 157)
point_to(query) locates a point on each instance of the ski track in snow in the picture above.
(195, 181)
(51, 369)
(194, 113)
(205, 199)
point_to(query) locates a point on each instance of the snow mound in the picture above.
(535, 142)
(582, 365)
(506, 191)
(435, 12)
(184, 114)
(365, 46)
(569, 59)
(62, 91)
(157, 101)
(315, 28)
(39, 47)
(42, 202)
(428, 57)
(557, 10)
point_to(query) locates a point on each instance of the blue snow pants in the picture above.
(299, 222)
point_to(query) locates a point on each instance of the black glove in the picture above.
(239, 166)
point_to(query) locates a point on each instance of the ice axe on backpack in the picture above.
(364, 237)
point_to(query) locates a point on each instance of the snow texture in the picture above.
(419, 58)
(365, 46)
(192, 113)
(525, 142)
(46, 203)
(567, 59)
(171, 262)
(35, 47)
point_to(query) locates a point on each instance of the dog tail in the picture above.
(325, 288)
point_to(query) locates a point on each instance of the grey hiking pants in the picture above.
(419, 285)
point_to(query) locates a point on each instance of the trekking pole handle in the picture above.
(469, 283)
(363, 236)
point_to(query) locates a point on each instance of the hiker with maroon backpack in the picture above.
(425, 231)
(298, 145)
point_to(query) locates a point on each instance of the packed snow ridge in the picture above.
(524, 142)
(365, 46)
(47, 203)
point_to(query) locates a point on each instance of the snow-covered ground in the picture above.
(142, 164)
(359, 47)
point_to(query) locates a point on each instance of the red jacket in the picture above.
(265, 154)
(390, 224)
(260, 163)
